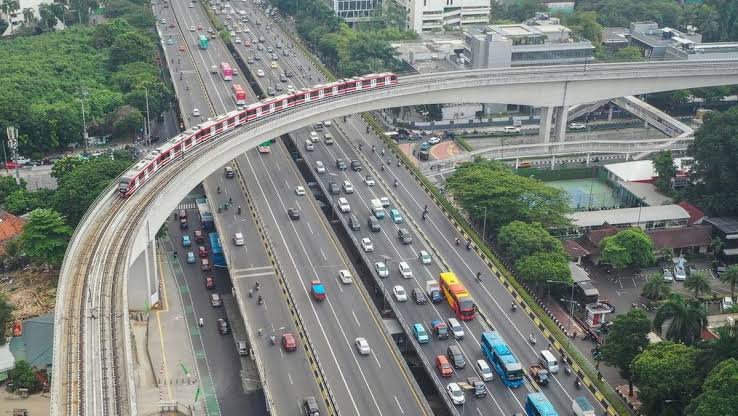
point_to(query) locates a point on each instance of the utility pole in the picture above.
(85, 138)
(12, 133)
(147, 132)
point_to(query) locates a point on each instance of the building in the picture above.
(435, 15)
(11, 228)
(633, 181)
(7, 362)
(35, 343)
(614, 38)
(353, 11)
(16, 18)
(726, 229)
(647, 218)
(670, 44)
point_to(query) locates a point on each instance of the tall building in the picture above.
(353, 11)
(434, 15)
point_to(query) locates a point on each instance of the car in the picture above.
(354, 223)
(182, 222)
(424, 257)
(282, 77)
(511, 129)
(238, 239)
(439, 328)
(456, 329)
(223, 327)
(288, 74)
(181, 48)
(328, 139)
(164, 21)
(577, 126)
(369, 181)
(186, 241)
(300, 190)
(395, 215)
(314, 136)
(362, 346)
(456, 356)
(229, 172)
(259, 72)
(190, 257)
(204, 265)
(668, 277)
(209, 282)
(385, 201)
(192, 28)
(269, 49)
(420, 334)
(274, 65)
(288, 342)
(381, 269)
(455, 393)
(727, 303)
(259, 47)
(279, 87)
(443, 366)
(366, 245)
(399, 292)
(434, 140)
(334, 189)
(196, 112)
(345, 277)
(404, 235)
(319, 166)
(238, 40)
(679, 273)
(199, 27)
(343, 205)
(341, 164)
(275, 57)
(310, 407)
(356, 165)
(418, 296)
(202, 252)
(215, 300)
(243, 348)
(424, 146)
(348, 187)
(373, 223)
(327, 123)
(170, 41)
(405, 271)
(484, 370)
(317, 290)
(271, 91)
(293, 213)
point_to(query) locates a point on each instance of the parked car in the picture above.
(668, 277)
(679, 273)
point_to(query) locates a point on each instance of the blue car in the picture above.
(395, 215)
(186, 240)
(190, 257)
(420, 334)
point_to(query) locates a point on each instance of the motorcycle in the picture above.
(532, 339)
(201, 322)
(272, 339)
(567, 370)
(513, 306)
(260, 300)
(578, 384)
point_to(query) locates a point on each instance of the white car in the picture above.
(314, 136)
(362, 346)
(668, 277)
(679, 273)
(238, 239)
(577, 126)
(455, 393)
(319, 166)
(345, 277)
(385, 201)
(484, 370)
(425, 258)
(327, 123)
(347, 187)
(381, 269)
(405, 270)
(366, 245)
(726, 303)
(260, 73)
(192, 28)
(400, 294)
(238, 40)
(196, 112)
(300, 191)
(369, 181)
(434, 140)
(343, 205)
(192, 6)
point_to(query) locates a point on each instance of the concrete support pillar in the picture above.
(609, 111)
(544, 131)
(143, 280)
(561, 116)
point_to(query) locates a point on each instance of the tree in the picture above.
(687, 319)
(129, 123)
(8, 186)
(28, 15)
(715, 167)
(663, 162)
(706, 18)
(630, 247)
(130, 47)
(540, 267)
(730, 276)
(625, 340)
(697, 281)
(23, 376)
(656, 288)
(718, 396)
(518, 11)
(666, 375)
(45, 236)
(64, 166)
(21, 201)
(585, 25)
(628, 54)
(6, 317)
(714, 351)
(519, 239)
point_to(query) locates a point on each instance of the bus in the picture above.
(502, 359)
(226, 71)
(266, 146)
(217, 250)
(457, 297)
(538, 405)
(239, 94)
(203, 42)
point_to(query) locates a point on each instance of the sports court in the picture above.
(585, 194)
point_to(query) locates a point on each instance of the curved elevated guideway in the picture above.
(92, 352)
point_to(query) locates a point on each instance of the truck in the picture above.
(377, 208)
(539, 374)
(440, 329)
(582, 407)
(476, 386)
(433, 290)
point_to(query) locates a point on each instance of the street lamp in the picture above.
(12, 134)
(571, 301)
(484, 226)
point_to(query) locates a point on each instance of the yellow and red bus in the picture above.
(457, 296)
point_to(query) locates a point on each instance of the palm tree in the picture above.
(28, 15)
(712, 352)
(698, 282)
(730, 276)
(656, 288)
(687, 319)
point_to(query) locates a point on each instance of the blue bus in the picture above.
(217, 249)
(538, 405)
(502, 359)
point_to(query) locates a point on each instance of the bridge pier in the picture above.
(544, 131)
(143, 281)
(549, 116)
(560, 116)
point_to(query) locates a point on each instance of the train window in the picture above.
(232, 121)
(219, 126)
(164, 156)
(293, 99)
(188, 141)
(149, 168)
(177, 148)
(251, 113)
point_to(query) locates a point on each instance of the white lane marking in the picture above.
(355, 318)
(398, 405)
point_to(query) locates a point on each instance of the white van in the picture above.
(549, 361)
(309, 146)
(512, 129)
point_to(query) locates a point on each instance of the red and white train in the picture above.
(147, 167)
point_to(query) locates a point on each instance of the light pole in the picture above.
(571, 302)
(84, 123)
(147, 133)
(12, 133)
(484, 225)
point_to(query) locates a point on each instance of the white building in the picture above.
(15, 19)
(352, 11)
(430, 15)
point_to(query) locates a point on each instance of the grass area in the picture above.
(461, 141)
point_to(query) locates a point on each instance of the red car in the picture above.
(199, 237)
(209, 283)
(288, 342)
(202, 252)
(444, 367)
(318, 290)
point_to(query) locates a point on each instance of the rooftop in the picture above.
(640, 170)
(578, 274)
(626, 216)
(727, 225)
(614, 35)
(35, 345)
(574, 249)
(675, 238)
(646, 192)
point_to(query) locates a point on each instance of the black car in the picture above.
(223, 327)
(294, 213)
(340, 164)
(404, 235)
(419, 297)
(356, 165)
(354, 223)
(334, 189)
(310, 407)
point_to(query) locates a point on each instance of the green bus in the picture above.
(203, 42)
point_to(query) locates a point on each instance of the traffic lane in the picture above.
(347, 327)
(514, 327)
(399, 252)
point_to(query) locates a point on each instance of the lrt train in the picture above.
(209, 130)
